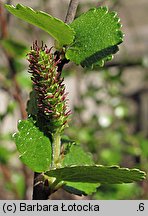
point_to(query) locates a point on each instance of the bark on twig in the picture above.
(71, 11)
(3, 23)
(17, 89)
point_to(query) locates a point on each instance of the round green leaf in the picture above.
(34, 146)
(77, 156)
(97, 36)
(81, 188)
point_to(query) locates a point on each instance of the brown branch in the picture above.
(12, 69)
(71, 11)
(3, 23)
(69, 18)
(5, 170)
(18, 98)
(17, 90)
(17, 94)
(8, 15)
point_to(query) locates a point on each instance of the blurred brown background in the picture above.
(110, 105)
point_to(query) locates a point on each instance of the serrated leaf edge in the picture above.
(115, 16)
(18, 6)
(113, 166)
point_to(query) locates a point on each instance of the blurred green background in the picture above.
(109, 105)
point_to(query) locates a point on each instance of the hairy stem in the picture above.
(56, 148)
